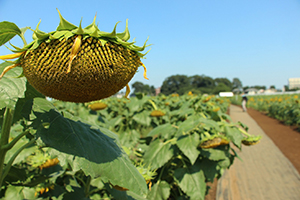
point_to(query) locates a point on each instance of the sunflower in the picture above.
(78, 64)
(97, 106)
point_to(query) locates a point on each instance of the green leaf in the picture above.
(209, 168)
(165, 130)
(214, 154)
(123, 195)
(143, 118)
(209, 123)
(8, 30)
(129, 138)
(159, 191)
(192, 181)
(93, 151)
(24, 105)
(234, 135)
(76, 193)
(158, 154)
(189, 124)
(11, 87)
(15, 174)
(19, 193)
(23, 155)
(188, 145)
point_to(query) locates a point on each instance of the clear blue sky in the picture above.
(257, 41)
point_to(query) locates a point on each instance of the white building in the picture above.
(294, 83)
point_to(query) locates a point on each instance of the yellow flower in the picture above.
(207, 99)
(49, 163)
(216, 109)
(157, 113)
(97, 106)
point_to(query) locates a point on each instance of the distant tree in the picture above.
(245, 88)
(175, 84)
(152, 90)
(221, 87)
(143, 88)
(236, 83)
(225, 81)
(203, 84)
(258, 87)
(272, 87)
(138, 87)
(202, 81)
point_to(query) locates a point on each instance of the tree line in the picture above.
(198, 84)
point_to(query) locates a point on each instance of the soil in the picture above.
(286, 138)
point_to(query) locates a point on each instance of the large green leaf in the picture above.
(129, 138)
(209, 168)
(8, 30)
(214, 154)
(11, 87)
(188, 145)
(192, 181)
(165, 130)
(159, 191)
(91, 150)
(234, 135)
(19, 193)
(158, 154)
(123, 195)
(24, 105)
(189, 124)
(23, 155)
(142, 118)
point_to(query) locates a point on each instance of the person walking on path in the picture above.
(244, 102)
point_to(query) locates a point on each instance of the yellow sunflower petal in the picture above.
(127, 91)
(145, 71)
(6, 69)
(74, 51)
(11, 56)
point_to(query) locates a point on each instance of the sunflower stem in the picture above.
(87, 186)
(6, 126)
(12, 159)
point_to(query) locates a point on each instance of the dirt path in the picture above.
(286, 138)
(264, 173)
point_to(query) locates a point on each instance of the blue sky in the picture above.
(256, 41)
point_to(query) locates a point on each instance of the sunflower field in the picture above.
(114, 148)
(163, 147)
(284, 107)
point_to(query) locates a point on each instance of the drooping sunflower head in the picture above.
(213, 141)
(97, 106)
(251, 140)
(157, 113)
(79, 64)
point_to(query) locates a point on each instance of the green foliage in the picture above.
(117, 153)
(139, 87)
(58, 150)
(182, 84)
(236, 83)
(8, 31)
(285, 108)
